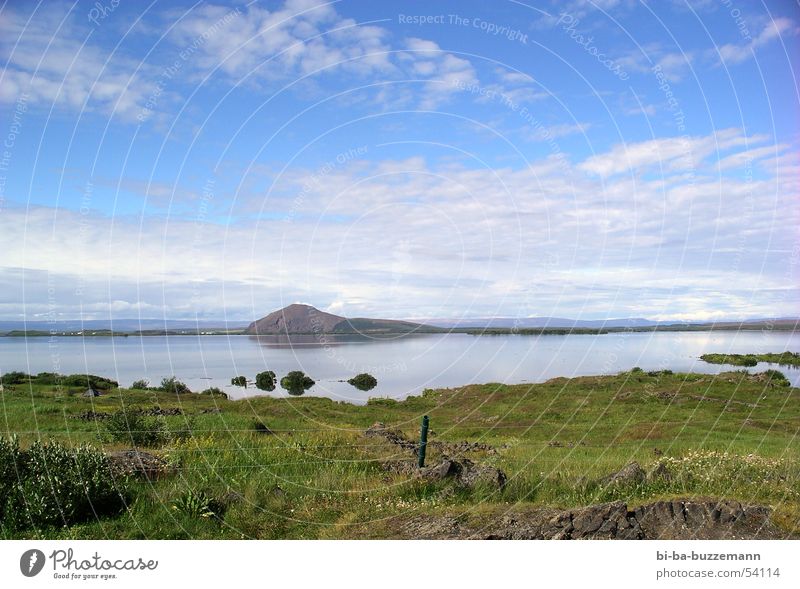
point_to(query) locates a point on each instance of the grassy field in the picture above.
(315, 475)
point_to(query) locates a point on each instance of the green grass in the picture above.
(731, 435)
(782, 358)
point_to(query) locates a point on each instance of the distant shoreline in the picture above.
(765, 326)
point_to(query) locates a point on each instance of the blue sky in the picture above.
(399, 159)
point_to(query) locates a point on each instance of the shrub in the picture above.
(90, 381)
(173, 385)
(296, 382)
(215, 392)
(141, 385)
(239, 381)
(776, 377)
(381, 402)
(636, 369)
(84, 381)
(364, 381)
(14, 378)
(53, 485)
(131, 427)
(197, 504)
(265, 380)
(48, 378)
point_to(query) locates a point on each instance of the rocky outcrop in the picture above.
(452, 465)
(462, 472)
(702, 519)
(393, 436)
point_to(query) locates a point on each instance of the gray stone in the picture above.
(630, 473)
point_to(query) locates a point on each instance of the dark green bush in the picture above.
(90, 381)
(132, 428)
(364, 381)
(265, 380)
(173, 385)
(14, 378)
(141, 385)
(239, 381)
(296, 382)
(776, 377)
(215, 392)
(53, 485)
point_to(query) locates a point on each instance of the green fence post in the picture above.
(423, 441)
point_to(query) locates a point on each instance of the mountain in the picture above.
(118, 325)
(543, 322)
(306, 319)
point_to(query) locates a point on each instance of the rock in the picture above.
(91, 393)
(379, 430)
(446, 468)
(432, 527)
(630, 473)
(399, 466)
(473, 475)
(92, 416)
(705, 519)
(138, 463)
(463, 472)
(458, 448)
(159, 412)
(604, 521)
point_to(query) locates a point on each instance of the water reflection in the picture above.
(322, 340)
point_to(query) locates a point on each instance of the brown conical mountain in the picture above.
(306, 319)
(295, 319)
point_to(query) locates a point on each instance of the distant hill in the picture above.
(118, 325)
(298, 319)
(540, 322)
(629, 322)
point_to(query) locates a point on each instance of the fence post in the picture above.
(423, 441)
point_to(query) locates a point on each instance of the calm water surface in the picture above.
(403, 366)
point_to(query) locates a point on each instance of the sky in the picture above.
(580, 159)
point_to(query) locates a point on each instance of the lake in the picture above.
(403, 365)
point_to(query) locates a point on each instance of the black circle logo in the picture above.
(31, 562)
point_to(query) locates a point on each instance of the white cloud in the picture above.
(734, 53)
(445, 73)
(299, 38)
(667, 155)
(407, 237)
(47, 60)
(673, 65)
